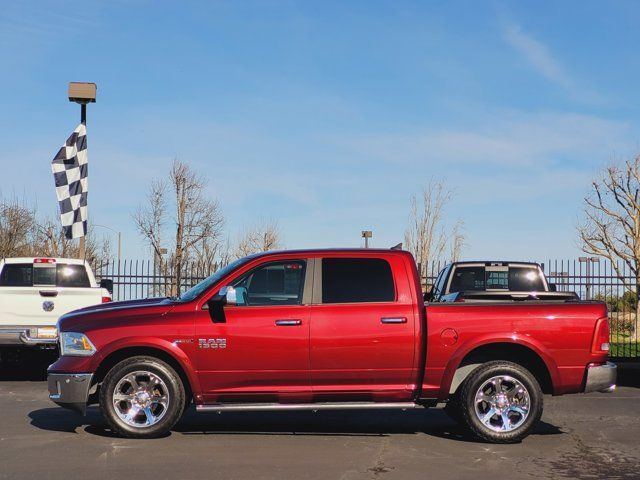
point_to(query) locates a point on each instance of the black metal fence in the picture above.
(590, 278)
(134, 279)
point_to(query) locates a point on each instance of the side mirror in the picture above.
(108, 284)
(553, 287)
(228, 293)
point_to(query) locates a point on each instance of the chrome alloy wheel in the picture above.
(141, 399)
(502, 403)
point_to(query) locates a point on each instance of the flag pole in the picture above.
(82, 244)
(82, 93)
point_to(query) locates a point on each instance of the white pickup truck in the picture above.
(35, 292)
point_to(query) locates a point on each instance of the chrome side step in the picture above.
(270, 407)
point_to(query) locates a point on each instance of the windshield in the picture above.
(205, 284)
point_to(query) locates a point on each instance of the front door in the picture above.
(258, 350)
(363, 332)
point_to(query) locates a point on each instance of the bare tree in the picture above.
(197, 219)
(262, 237)
(23, 233)
(611, 224)
(427, 236)
(51, 242)
(458, 241)
(18, 228)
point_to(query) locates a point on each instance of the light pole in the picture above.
(119, 238)
(588, 261)
(82, 93)
(367, 234)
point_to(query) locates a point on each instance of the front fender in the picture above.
(166, 346)
(467, 347)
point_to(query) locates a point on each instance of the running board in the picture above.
(270, 407)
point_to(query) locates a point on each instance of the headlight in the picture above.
(76, 344)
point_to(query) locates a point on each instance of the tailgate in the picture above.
(43, 305)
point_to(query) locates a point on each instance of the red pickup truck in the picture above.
(327, 329)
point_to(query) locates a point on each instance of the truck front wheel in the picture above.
(501, 402)
(142, 397)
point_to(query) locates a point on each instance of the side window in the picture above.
(17, 275)
(467, 278)
(357, 280)
(277, 283)
(438, 286)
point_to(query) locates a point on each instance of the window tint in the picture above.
(526, 279)
(72, 276)
(467, 278)
(357, 280)
(17, 275)
(278, 283)
(512, 278)
(45, 275)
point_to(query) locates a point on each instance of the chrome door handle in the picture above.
(288, 323)
(393, 320)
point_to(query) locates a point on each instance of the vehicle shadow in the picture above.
(25, 364)
(369, 423)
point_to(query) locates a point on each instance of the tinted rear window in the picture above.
(72, 276)
(61, 275)
(525, 279)
(467, 278)
(17, 275)
(357, 280)
(513, 279)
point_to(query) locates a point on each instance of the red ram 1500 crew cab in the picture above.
(327, 329)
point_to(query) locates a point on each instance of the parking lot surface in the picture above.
(581, 436)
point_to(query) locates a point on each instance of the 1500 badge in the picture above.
(212, 343)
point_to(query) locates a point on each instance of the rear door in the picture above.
(38, 293)
(363, 330)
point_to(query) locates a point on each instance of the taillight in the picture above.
(106, 299)
(601, 337)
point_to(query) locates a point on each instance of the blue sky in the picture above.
(327, 116)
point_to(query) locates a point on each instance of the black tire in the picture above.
(166, 382)
(481, 376)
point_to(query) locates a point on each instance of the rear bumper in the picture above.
(70, 390)
(21, 336)
(601, 378)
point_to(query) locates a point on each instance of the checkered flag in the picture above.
(70, 170)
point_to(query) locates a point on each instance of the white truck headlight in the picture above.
(76, 344)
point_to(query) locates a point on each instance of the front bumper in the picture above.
(601, 378)
(23, 336)
(70, 390)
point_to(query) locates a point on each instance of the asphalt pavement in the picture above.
(581, 436)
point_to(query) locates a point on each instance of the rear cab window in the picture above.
(357, 280)
(46, 274)
(514, 278)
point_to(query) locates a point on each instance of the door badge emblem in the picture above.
(212, 343)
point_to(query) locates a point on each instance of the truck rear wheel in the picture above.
(142, 397)
(501, 402)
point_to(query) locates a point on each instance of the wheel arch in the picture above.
(526, 355)
(182, 367)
